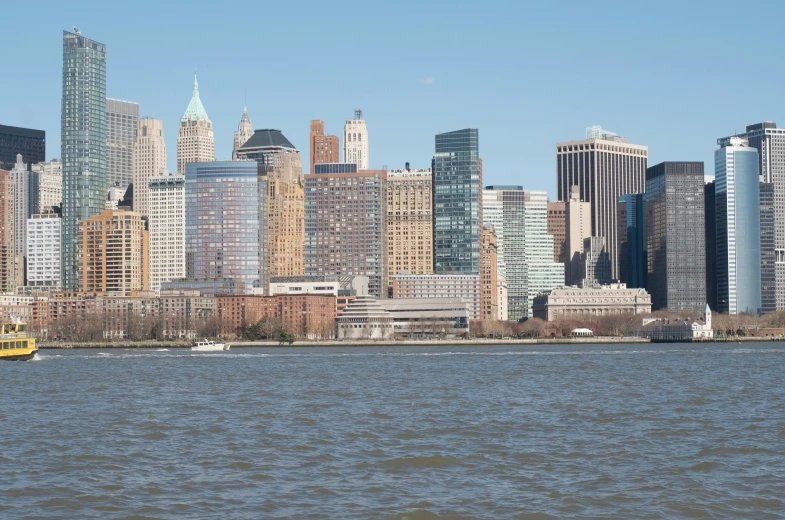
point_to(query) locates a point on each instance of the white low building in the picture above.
(43, 250)
(364, 318)
(680, 330)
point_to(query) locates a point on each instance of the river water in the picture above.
(602, 431)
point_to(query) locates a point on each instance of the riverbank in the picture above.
(599, 340)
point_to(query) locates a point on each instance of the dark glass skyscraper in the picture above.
(14, 140)
(83, 142)
(457, 192)
(631, 212)
(710, 228)
(675, 236)
(768, 273)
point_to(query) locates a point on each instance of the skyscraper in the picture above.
(195, 141)
(324, 148)
(489, 274)
(457, 182)
(675, 236)
(225, 222)
(604, 166)
(7, 267)
(528, 250)
(577, 216)
(149, 160)
(355, 141)
(493, 215)
(50, 183)
(737, 193)
(633, 263)
(26, 141)
(243, 133)
(345, 226)
(768, 273)
(43, 250)
(595, 263)
(22, 207)
(121, 120)
(557, 228)
(409, 221)
(769, 141)
(166, 195)
(83, 143)
(710, 228)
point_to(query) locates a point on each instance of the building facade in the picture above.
(577, 216)
(737, 195)
(768, 269)
(50, 183)
(26, 141)
(121, 125)
(710, 229)
(8, 278)
(428, 317)
(355, 141)
(595, 262)
(243, 133)
(585, 303)
(676, 254)
(457, 202)
(364, 318)
(603, 169)
(409, 221)
(225, 223)
(82, 143)
(113, 253)
(25, 196)
(167, 229)
(346, 226)
(323, 148)
(195, 140)
(633, 257)
(463, 286)
(149, 161)
(489, 275)
(557, 228)
(43, 250)
(493, 215)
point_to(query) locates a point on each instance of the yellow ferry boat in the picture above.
(14, 343)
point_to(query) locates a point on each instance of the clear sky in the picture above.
(671, 75)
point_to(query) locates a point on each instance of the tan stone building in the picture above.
(409, 221)
(149, 160)
(578, 219)
(195, 139)
(489, 292)
(7, 265)
(557, 228)
(113, 253)
(581, 303)
(324, 148)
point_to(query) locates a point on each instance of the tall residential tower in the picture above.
(121, 120)
(149, 160)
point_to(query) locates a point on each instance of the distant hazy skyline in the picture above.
(674, 76)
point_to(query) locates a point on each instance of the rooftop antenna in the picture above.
(358, 113)
(76, 30)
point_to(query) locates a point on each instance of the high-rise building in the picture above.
(82, 143)
(489, 274)
(225, 223)
(557, 228)
(346, 226)
(595, 263)
(675, 236)
(457, 202)
(577, 217)
(25, 204)
(167, 229)
(121, 124)
(243, 133)
(113, 253)
(149, 160)
(355, 141)
(604, 166)
(282, 167)
(43, 250)
(493, 215)
(28, 142)
(410, 221)
(769, 141)
(7, 267)
(50, 183)
(710, 228)
(768, 272)
(528, 250)
(737, 193)
(195, 140)
(324, 148)
(633, 257)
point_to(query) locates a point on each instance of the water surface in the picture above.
(603, 431)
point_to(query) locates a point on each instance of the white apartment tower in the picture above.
(149, 160)
(43, 250)
(243, 133)
(50, 183)
(21, 180)
(195, 141)
(355, 141)
(167, 229)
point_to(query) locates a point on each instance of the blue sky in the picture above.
(670, 75)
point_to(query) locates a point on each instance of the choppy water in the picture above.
(636, 431)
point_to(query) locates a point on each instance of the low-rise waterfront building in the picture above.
(428, 317)
(364, 318)
(576, 303)
(680, 329)
(463, 286)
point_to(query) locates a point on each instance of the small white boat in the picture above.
(209, 346)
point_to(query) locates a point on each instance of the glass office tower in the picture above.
(457, 190)
(83, 142)
(737, 195)
(225, 222)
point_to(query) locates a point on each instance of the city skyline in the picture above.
(523, 105)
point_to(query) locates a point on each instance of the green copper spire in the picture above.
(195, 108)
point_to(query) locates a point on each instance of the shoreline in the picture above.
(599, 340)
